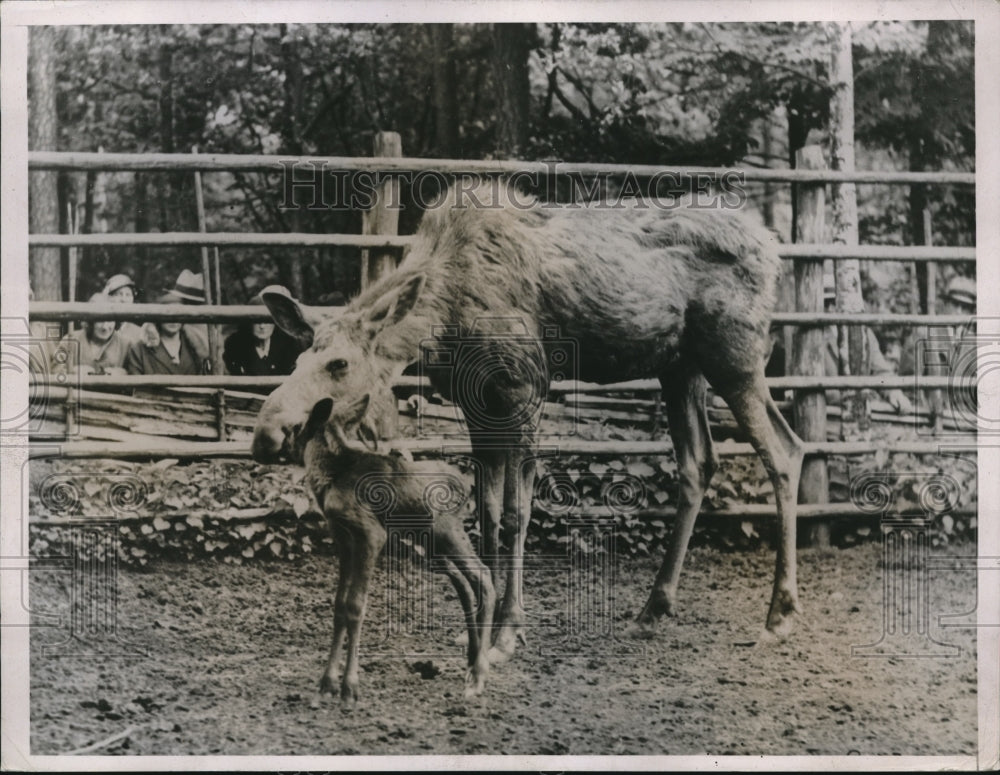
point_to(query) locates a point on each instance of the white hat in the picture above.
(189, 286)
(962, 290)
(117, 282)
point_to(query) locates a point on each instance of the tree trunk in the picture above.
(289, 267)
(937, 38)
(43, 188)
(141, 204)
(444, 91)
(511, 49)
(798, 131)
(165, 68)
(852, 339)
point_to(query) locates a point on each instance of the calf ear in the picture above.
(355, 413)
(395, 304)
(318, 417)
(293, 317)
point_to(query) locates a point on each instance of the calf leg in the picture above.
(780, 451)
(684, 394)
(470, 578)
(345, 554)
(369, 540)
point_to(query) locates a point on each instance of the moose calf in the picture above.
(339, 468)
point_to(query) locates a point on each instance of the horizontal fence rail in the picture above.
(805, 511)
(81, 310)
(438, 446)
(219, 239)
(196, 162)
(876, 382)
(306, 239)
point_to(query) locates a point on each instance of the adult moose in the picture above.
(684, 295)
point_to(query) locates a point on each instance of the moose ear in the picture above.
(318, 417)
(394, 305)
(293, 317)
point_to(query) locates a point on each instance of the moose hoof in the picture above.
(781, 623)
(505, 643)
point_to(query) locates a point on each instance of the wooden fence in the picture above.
(219, 410)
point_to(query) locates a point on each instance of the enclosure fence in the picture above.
(382, 247)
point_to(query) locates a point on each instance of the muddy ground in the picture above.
(232, 656)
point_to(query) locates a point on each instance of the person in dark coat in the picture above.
(168, 347)
(260, 350)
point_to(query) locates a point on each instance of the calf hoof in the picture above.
(348, 699)
(641, 629)
(475, 683)
(327, 685)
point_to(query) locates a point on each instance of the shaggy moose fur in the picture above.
(339, 470)
(684, 295)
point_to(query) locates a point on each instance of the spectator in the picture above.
(960, 297)
(260, 349)
(942, 359)
(877, 364)
(167, 347)
(97, 348)
(190, 289)
(121, 290)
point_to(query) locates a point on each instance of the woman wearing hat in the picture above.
(167, 347)
(121, 290)
(260, 349)
(97, 348)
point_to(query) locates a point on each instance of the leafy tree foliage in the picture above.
(686, 93)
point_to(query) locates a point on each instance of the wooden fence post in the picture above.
(810, 341)
(853, 340)
(381, 218)
(211, 296)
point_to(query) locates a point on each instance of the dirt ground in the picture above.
(232, 656)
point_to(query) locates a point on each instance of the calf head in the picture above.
(341, 361)
(331, 432)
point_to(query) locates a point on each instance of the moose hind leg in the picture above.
(780, 451)
(684, 394)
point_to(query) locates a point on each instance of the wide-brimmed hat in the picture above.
(170, 297)
(190, 287)
(962, 290)
(117, 282)
(101, 298)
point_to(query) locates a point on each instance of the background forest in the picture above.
(670, 94)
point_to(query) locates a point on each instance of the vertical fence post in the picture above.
(211, 296)
(809, 342)
(383, 217)
(936, 397)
